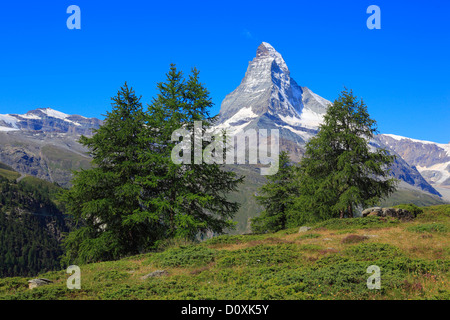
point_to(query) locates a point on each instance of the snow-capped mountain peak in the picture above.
(266, 51)
(268, 97)
(54, 113)
(47, 120)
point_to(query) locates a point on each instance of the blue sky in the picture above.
(401, 71)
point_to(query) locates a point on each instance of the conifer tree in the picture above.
(340, 170)
(189, 199)
(276, 198)
(103, 197)
(135, 195)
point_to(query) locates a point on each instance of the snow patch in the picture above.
(292, 120)
(9, 120)
(310, 119)
(6, 129)
(244, 114)
(304, 135)
(54, 113)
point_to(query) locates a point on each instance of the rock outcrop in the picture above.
(34, 283)
(157, 273)
(401, 214)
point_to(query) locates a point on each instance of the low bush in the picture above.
(309, 236)
(373, 251)
(259, 255)
(411, 208)
(232, 239)
(357, 223)
(189, 256)
(428, 227)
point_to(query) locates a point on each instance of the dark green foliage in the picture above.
(411, 208)
(309, 236)
(31, 227)
(357, 223)
(276, 198)
(105, 196)
(135, 195)
(112, 276)
(339, 172)
(260, 255)
(373, 251)
(190, 199)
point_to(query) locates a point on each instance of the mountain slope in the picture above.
(431, 159)
(44, 143)
(31, 227)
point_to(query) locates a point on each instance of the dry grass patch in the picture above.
(353, 238)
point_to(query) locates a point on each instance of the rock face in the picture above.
(401, 214)
(403, 171)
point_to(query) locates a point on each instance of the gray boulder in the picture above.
(401, 214)
(34, 283)
(157, 273)
(304, 229)
(371, 211)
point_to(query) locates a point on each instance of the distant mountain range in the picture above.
(48, 120)
(431, 159)
(43, 142)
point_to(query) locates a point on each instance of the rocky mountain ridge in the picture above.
(48, 120)
(431, 159)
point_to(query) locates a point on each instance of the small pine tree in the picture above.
(276, 198)
(339, 170)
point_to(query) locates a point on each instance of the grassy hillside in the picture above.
(8, 172)
(327, 262)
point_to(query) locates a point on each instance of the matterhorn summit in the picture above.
(269, 98)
